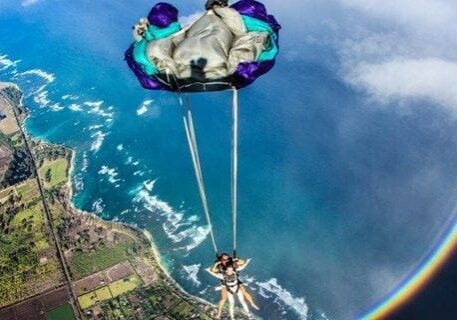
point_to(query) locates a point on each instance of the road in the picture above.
(60, 254)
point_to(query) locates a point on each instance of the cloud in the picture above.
(429, 13)
(431, 79)
(400, 51)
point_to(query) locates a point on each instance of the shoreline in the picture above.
(68, 195)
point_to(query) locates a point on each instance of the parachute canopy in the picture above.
(228, 46)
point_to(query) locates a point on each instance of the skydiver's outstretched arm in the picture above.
(242, 264)
(215, 274)
(215, 267)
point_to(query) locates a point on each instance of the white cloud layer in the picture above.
(401, 51)
(431, 79)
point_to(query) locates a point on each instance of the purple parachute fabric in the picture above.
(146, 81)
(163, 14)
(248, 72)
(255, 9)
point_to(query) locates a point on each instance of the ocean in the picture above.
(340, 197)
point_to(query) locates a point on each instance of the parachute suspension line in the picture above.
(234, 182)
(192, 141)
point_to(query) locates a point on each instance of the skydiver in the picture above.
(219, 268)
(232, 285)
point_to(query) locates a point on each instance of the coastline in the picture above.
(139, 231)
(68, 192)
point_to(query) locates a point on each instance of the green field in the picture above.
(88, 300)
(64, 312)
(16, 139)
(31, 221)
(33, 215)
(86, 263)
(28, 190)
(124, 285)
(58, 169)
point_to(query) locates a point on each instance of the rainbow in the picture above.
(417, 279)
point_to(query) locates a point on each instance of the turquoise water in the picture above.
(339, 197)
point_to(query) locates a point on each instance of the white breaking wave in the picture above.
(6, 63)
(196, 234)
(56, 107)
(131, 161)
(95, 127)
(94, 104)
(149, 184)
(85, 162)
(272, 290)
(192, 273)
(75, 107)
(144, 107)
(41, 98)
(49, 77)
(120, 147)
(69, 97)
(124, 212)
(139, 173)
(96, 108)
(111, 173)
(98, 206)
(78, 183)
(142, 110)
(179, 229)
(39, 93)
(98, 137)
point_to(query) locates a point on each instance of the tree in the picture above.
(48, 175)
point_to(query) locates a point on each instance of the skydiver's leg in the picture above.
(231, 300)
(248, 297)
(243, 302)
(224, 296)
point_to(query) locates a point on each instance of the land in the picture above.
(57, 262)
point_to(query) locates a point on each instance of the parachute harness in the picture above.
(192, 142)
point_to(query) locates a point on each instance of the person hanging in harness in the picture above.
(220, 269)
(233, 287)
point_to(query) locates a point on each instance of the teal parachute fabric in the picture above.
(227, 47)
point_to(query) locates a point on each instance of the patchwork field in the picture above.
(124, 285)
(109, 291)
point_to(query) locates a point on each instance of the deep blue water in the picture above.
(339, 197)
